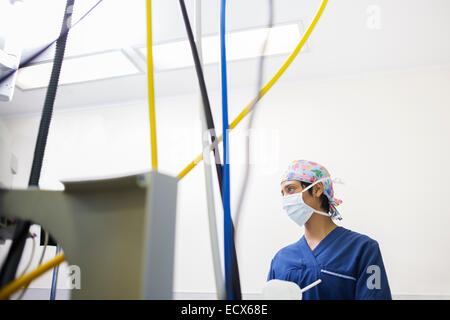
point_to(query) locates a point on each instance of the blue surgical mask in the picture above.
(297, 209)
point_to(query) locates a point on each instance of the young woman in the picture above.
(348, 263)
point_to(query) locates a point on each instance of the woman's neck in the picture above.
(317, 228)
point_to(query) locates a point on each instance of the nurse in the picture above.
(348, 263)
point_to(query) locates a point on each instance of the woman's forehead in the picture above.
(290, 182)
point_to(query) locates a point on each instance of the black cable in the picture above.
(204, 93)
(210, 124)
(47, 112)
(9, 269)
(47, 115)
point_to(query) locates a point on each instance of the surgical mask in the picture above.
(297, 209)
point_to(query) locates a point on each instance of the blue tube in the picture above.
(55, 276)
(226, 165)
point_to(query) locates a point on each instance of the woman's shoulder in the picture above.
(360, 239)
(293, 248)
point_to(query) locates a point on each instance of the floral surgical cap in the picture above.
(310, 172)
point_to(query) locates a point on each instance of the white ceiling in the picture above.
(412, 34)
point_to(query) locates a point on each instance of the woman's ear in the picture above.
(318, 190)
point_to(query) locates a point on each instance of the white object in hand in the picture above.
(285, 290)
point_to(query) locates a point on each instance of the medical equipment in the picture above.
(104, 195)
(285, 290)
(112, 229)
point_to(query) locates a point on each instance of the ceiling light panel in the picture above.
(80, 69)
(240, 45)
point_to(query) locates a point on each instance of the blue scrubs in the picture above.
(349, 264)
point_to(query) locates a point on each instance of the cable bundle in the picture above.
(233, 290)
(211, 128)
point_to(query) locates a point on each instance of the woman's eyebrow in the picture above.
(290, 185)
(287, 186)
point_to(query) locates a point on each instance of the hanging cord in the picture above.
(18, 283)
(252, 116)
(151, 90)
(47, 112)
(55, 276)
(266, 87)
(211, 130)
(204, 93)
(47, 115)
(39, 263)
(215, 252)
(33, 249)
(9, 268)
(228, 232)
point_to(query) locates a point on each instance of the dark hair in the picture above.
(324, 203)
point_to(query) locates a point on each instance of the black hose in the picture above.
(47, 112)
(210, 124)
(204, 93)
(9, 269)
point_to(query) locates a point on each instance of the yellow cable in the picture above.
(22, 281)
(151, 91)
(266, 88)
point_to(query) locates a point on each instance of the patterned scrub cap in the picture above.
(310, 172)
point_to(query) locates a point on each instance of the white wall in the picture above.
(385, 135)
(5, 158)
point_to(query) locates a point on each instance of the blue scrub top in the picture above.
(348, 263)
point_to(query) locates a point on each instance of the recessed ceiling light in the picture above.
(79, 69)
(240, 45)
